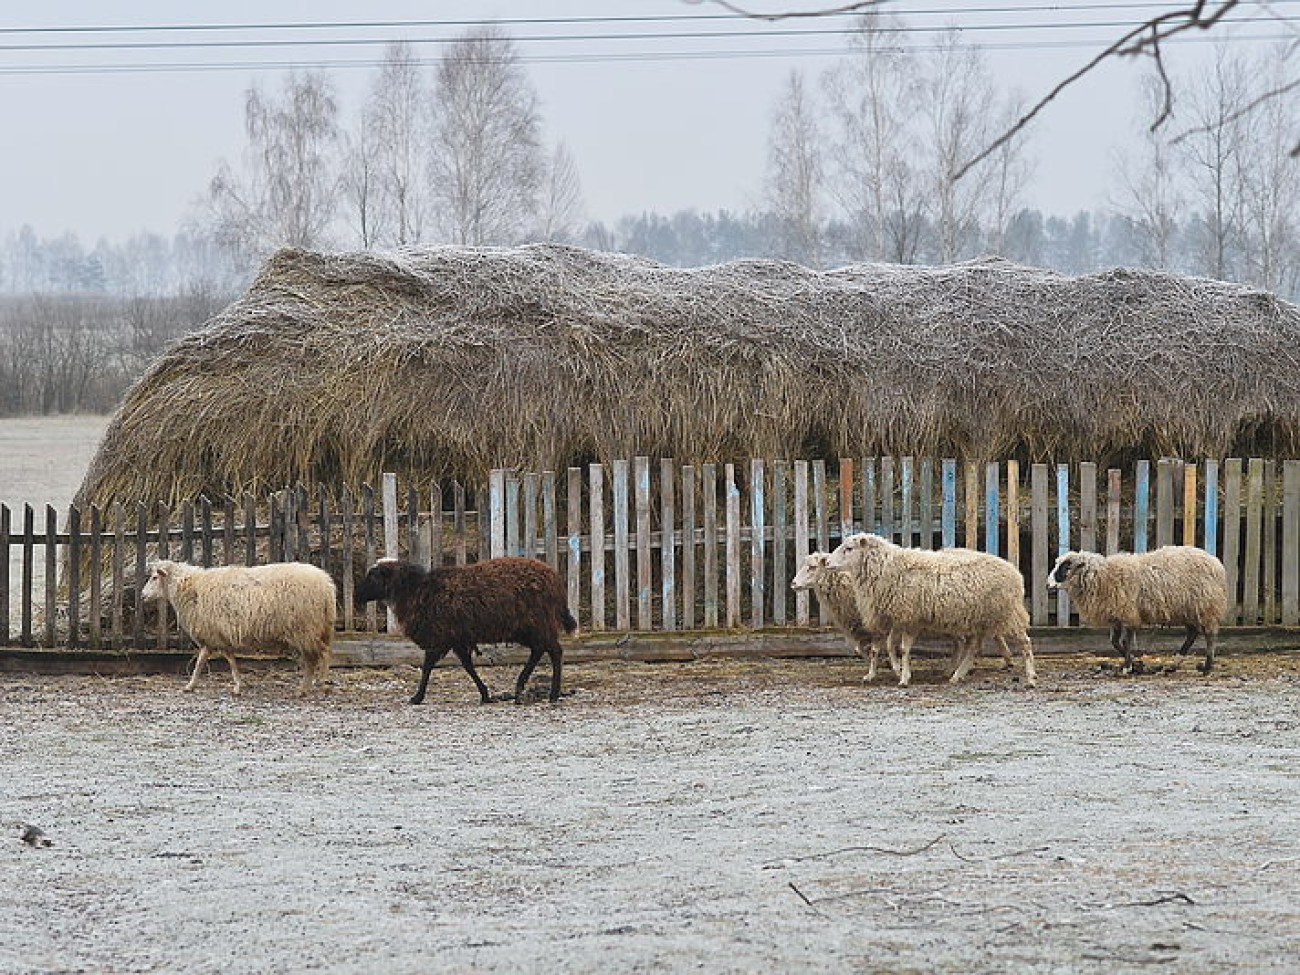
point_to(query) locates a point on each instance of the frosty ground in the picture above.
(725, 815)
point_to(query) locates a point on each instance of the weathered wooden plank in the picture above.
(459, 523)
(1062, 536)
(205, 531)
(417, 550)
(758, 533)
(781, 573)
(370, 540)
(732, 496)
(1269, 581)
(275, 545)
(1291, 542)
(164, 552)
(514, 534)
(141, 565)
(971, 497)
(187, 531)
(392, 543)
(1038, 541)
(550, 547)
(1114, 500)
(644, 554)
(1141, 505)
(870, 496)
(74, 577)
(925, 488)
(1013, 513)
(4, 575)
(1250, 577)
(845, 487)
(1189, 504)
(1088, 507)
(709, 510)
(801, 539)
(1211, 529)
(992, 510)
(497, 511)
(529, 543)
(888, 498)
(1164, 502)
(821, 518)
(228, 531)
(95, 584)
(596, 504)
(302, 522)
(573, 540)
(117, 632)
(622, 544)
(25, 636)
(907, 488)
(1232, 535)
(437, 545)
(948, 510)
(347, 547)
(250, 529)
(667, 543)
(688, 546)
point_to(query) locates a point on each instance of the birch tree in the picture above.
(794, 174)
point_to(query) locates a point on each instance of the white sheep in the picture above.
(1175, 585)
(837, 594)
(284, 607)
(967, 595)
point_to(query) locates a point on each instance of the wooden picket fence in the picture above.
(648, 546)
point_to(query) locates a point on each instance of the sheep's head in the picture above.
(162, 575)
(379, 581)
(813, 566)
(1066, 566)
(855, 548)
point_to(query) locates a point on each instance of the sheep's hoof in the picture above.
(1205, 668)
(187, 689)
(418, 699)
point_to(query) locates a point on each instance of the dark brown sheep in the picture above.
(507, 600)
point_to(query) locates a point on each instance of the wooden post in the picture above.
(4, 575)
(250, 529)
(573, 546)
(26, 637)
(371, 548)
(1087, 507)
(164, 551)
(514, 540)
(758, 532)
(992, 514)
(1038, 556)
(887, 525)
(820, 518)
(667, 544)
(907, 486)
(948, 514)
(869, 493)
(1062, 536)
(846, 496)
(688, 547)
(529, 546)
(596, 502)
(1254, 538)
(709, 501)
(732, 495)
(187, 531)
(1164, 502)
(1114, 497)
(390, 533)
(1232, 535)
(1141, 505)
(74, 577)
(550, 549)
(622, 542)
(1269, 580)
(1290, 543)
(1211, 530)
(96, 609)
(1189, 504)
(141, 566)
(801, 542)
(644, 555)
(926, 490)
(1013, 512)
(348, 594)
(497, 511)
(117, 632)
(459, 523)
(780, 543)
(972, 499)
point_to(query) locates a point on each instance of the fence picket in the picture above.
(1189, 504)
(992, 515)
(1013, 512)
(948, 514)
(758, 530)
(1087, 507)
(1114, 500)
(4, 575)
(1250, 578)
(907, 487)
(1062, 536)
(95, 609)
(1164, 502)
(925, 488)
(688, 546)
(801, 541)
(667, 544)
(1269, 579)
(732, 500)
(622, 537)
(1141, 505)
(1038, 543)
(821, 518)
(1290, 543)
(74, 574)
(644, 555)
(971, 499)
(596, 503)
(1232, 534)
(573, 546)
(780, 548)
(709, 509)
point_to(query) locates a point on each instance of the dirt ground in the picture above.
(721, 816)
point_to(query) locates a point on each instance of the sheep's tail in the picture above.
(570, 624)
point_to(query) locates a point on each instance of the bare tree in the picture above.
(794, 174)
(561, 212)
(486, 162)
(871, 96)
(288, 191)
(1149, 193)
(1010, 173)
(397, 117)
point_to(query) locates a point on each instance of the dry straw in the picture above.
(447, 361)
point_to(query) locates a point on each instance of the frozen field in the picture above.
(721, 816)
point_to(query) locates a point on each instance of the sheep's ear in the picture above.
(161, 571)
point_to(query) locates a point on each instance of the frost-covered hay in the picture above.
(449, 360)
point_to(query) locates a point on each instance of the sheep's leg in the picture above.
(966, 651)
(431, 656)
(1192, 633)
(534, 655)
(466, 657)
(1008, 661)
(905, 659)
(870, 655)
(557, 667)
(1027, 652)
(200, 662)
(1117, 638)
(1126, 644)
(234, 674)
(1211, 637)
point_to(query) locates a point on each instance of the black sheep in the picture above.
(507, 600)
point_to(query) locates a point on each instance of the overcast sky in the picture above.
(115, 132)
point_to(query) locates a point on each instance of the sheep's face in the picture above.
(813, 566)
(158, 585)
(378, 583)
(1066, 566)
(853, 549)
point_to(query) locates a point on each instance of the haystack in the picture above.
(447, 361)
